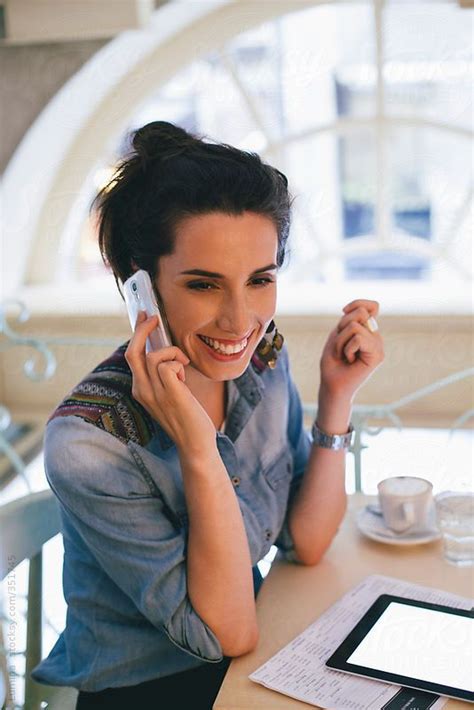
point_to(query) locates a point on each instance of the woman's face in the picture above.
(235, 306)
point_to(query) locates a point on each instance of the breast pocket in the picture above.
(279, 472)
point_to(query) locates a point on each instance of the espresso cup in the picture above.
(405, 502)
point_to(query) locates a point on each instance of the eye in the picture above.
(198, 285)
(201, 285)
(264, 281)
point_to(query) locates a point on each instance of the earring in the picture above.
(266, 352)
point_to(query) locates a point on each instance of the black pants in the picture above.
(190, 690)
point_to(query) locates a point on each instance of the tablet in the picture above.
(412, 643)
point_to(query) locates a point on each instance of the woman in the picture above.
(177, 470)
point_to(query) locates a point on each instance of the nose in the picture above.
(235, 318)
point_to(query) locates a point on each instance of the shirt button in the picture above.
(236, 481)
(268, 534)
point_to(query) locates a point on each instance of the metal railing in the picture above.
(42, 346)
(361, 413)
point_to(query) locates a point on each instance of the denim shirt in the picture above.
(124, 523)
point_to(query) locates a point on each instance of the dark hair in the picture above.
(171, 174)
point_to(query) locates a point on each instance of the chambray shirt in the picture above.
(124, 524)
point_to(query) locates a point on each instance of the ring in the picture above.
(371, 324)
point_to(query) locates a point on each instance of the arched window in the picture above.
(367, 107)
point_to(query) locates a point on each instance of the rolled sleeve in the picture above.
(300, 442)
(126, 528)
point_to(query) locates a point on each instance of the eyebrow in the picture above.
(214, 275)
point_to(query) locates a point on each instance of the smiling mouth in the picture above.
(223, 349)
(224, 341)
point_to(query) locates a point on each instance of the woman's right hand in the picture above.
(158, 384)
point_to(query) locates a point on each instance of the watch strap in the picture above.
(332, 441)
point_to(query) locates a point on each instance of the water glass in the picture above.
(455, 516)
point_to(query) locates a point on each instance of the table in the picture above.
(293, 596)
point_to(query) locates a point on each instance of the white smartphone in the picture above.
(139, 296)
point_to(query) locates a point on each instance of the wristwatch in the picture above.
(332, 441)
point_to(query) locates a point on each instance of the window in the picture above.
(368, 111)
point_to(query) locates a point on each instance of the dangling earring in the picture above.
(266, 352)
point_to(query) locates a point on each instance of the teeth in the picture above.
(225, 349)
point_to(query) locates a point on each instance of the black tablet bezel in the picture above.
(338, 660)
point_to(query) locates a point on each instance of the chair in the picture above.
(3, 673)
(26, 524)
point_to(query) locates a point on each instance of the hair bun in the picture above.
(162, 140)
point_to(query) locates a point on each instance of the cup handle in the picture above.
(409, 513)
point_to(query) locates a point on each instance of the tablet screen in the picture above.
(412, 643)
(429, 645)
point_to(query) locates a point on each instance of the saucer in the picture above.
(372, 525)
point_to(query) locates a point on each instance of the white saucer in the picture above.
(373, 526)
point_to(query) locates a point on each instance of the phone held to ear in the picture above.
(139, 296)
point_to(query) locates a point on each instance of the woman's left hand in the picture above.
(352, 352)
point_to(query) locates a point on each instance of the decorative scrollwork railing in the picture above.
(361, 413)
(41, 345)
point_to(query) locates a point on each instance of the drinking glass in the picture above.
(455, 517)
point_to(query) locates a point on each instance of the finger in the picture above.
(163, 375)
(143, 328)
(353, 328)
(159, 376)
(172, 356)
(360, 314)
(352, 347)
(364, 344)
(371, 306)
(169, 354)
(140, 317)
(135, 352)
(169, 372)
